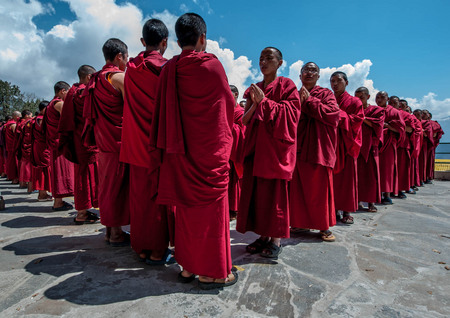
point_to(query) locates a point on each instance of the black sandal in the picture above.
(271, 250)
(257, 246)
(91, 218)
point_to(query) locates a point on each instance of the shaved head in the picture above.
(16, 114)
(85, 70)
(362, 89)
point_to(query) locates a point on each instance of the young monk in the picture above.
(149, 229)
(9, 128)
(311, 199)
(24, 150)
(393, 133)
(271, 116)
(84, 159)
(2, 150)
(192, 129)
(62, 169)
(40, 156)
(416, 145)
(349, 145)
(103, 111)
(236, 160)
(368, 161)
(403, 152)
(437, 135)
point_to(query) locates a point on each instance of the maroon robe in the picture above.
(311, 199)
(388, 151)
(427, 144)
(192, 130)
(345, 179)
(62, 169)
(40, 157)
(2, 151)
(84, 158)
(12, 171)
(270, 157)
(149, 226)
(404, 154)
(437, 135)
(103, 111)
(416, 140)
(368, 160)
(24, 130)
(236, 159)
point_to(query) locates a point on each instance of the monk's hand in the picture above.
(304, 94)
(256, 93)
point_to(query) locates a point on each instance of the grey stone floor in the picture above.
(388, 264)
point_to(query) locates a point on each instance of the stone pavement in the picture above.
(388, 264)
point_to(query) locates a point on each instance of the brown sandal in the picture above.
(327, 236)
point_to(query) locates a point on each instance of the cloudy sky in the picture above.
(398, 46)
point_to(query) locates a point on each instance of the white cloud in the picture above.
(184, 7)
(294, 72)
(439, 108)
(62, 31)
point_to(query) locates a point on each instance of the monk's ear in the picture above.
(143, 42)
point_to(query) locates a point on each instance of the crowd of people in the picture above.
(165, 147)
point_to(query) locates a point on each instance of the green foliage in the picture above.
(11, 99)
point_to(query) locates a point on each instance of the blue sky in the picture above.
(399, 46)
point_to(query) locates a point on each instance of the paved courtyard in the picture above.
(394, 263)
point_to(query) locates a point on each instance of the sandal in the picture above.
(271, 250)
(327, 236)
(185, 280)
(348, 219)
(125, 242)
(257, 246)
(372, 209)
(214, 285)
(91, 218)
(65, 207)
(168, 258)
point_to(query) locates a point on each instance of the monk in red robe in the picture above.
(437, 135)
(2, 150)
(62, 169)
(418, 162)
(149, 227)
(403, 151)
(12, 170)
(236, 158)
(23, 146)
(103, 111)
(271, 116)
(311, 197)
(84, 159)
(393, 134)
(191, 128)
(348, 147)
(427, 145)
(368, 160)
(40, 156)
(416, 144)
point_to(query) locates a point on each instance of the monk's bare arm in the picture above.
(390, 127)
(249, 110)
(117, 80)
(13, 127)
(59, 106)
(368, 122)
(409, 129)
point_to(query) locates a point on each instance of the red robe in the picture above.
(311, 199)
(236, 160)
(192, 130)
(40, 157)
(270, 157)
(388, 151)
(84, 158)
(427, 144)
(416, 139)
(12, 171)
(345, 179)
(368, 160)
(437, 135)
(103, 111)
(2, 151)
(62, 169)
(149, 226)
(24, 130)
(404, 154)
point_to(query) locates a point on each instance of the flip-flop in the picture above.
(91, 219)
(168, 259)
(66, 207)
(327, 236)
(125, 242)
(257, 246)
(271, 250)
(185, 280)
(372, 209)
(214, 285)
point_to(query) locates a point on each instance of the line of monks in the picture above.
(163, 146)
